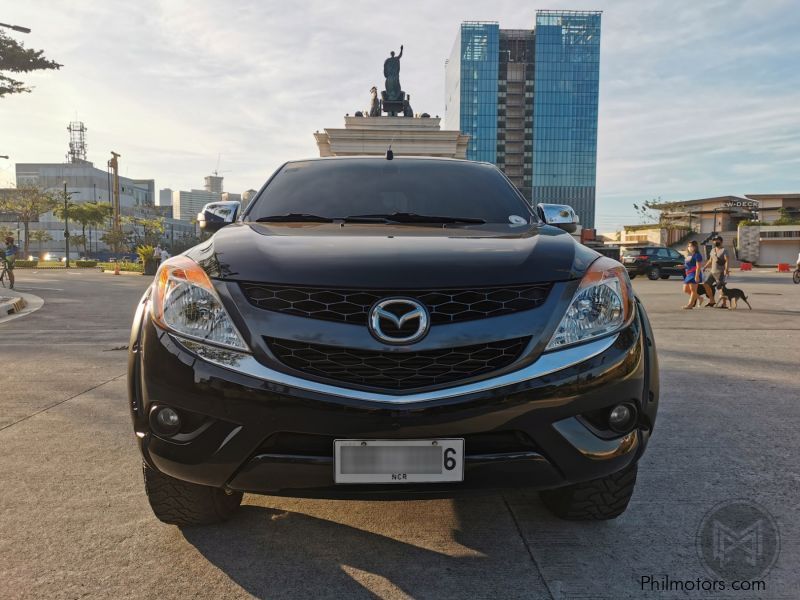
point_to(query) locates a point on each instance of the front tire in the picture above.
(654, 273)
(182, 503)
(596, 500)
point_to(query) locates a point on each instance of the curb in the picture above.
(30, 304)
(11, 305)
(111, 272)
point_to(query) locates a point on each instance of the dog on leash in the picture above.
(701, 291)
(734, 295)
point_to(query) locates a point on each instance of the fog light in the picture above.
(165, 420)
(622, 418)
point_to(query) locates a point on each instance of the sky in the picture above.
(697, 98)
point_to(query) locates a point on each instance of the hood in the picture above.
(392, 257)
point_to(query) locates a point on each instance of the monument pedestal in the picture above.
(395, 107)
(409, 136)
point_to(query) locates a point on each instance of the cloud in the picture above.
(697, 98)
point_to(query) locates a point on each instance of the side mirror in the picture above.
(216, 215)
(561, 215)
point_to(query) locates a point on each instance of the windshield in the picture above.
(342, 188)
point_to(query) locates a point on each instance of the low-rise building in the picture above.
(760, 228)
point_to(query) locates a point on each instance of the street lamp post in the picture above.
(66, 225)
(19, 28)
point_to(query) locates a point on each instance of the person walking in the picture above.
(720, 269)
(10, 256)
(693, 275)
(157, 252)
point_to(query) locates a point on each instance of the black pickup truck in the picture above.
(401, 328)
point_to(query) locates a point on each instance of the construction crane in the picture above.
(216, 171)
(113, 164)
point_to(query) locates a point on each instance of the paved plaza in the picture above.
(75, 523)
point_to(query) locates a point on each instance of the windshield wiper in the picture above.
(404, 217)
(294, 218)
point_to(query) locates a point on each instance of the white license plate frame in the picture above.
(452, 451)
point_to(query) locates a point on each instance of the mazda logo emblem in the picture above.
(398, 321)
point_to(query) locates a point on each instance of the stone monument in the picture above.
(371, 133)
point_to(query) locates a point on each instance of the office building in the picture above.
(186, 205)
(87, 183)
(164, 197)
(230, 197)
(528, 100)
(247, 196)
(213, 183)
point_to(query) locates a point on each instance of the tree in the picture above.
(667, 217)
(645, 211)
(15, 58)
(41, 236)
(27, 203)
(87, 214)
(118, 240)
(152, 229)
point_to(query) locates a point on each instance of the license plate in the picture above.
(398, 461)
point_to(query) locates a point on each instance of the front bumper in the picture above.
(252, 434)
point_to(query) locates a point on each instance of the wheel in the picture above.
(596, 500)
(654, 273)
(181, 503)
(796, 276)
(664, 276)
(631, 275)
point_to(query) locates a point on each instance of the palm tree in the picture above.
(87, 214)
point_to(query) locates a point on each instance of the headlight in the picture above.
(185, 301)
(602, 304)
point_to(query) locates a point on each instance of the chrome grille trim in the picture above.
(246, 364)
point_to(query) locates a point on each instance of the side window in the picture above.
(651, 252)
(674, 254)
(663, 253)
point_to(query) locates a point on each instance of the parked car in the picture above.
(657, 262)
(415, 329)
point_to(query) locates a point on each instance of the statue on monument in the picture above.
(391, 71)
(374, 104)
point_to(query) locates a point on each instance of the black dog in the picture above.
(734, 295)
(701, 291)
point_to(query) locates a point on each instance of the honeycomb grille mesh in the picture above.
(396, 370)
(352, 306)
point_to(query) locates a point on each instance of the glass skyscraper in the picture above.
(528, 99)
(471, 82)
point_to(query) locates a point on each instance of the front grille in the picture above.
(352, 306)
(396, 370)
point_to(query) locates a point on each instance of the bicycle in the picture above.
(796, 276)
(3, 272)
